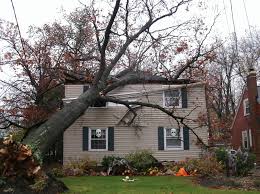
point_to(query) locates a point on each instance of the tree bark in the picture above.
(41, 138)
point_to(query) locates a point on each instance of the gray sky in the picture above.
(36, 12)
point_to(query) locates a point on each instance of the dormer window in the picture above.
(172, 98)
(246, 107)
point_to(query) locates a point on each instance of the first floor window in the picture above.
(246, 139)
(98, 139)
(173, 138)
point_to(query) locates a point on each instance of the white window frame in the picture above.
(244, 135)
(181, 138)
(89, 140)
(245, 101)
(248, 135)
(180, 99)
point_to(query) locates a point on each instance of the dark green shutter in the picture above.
(184, 97)
(111, 138)
(160, 138)
(85, 138)
(186, 138)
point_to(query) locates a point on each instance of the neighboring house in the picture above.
(245, 128)
(103, 129)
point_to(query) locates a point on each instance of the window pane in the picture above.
(94, 136)
(103, 134)
(171, 93)
(173, 142)
(98, 144)
(93, 133)
(171, 101)
(171, 133)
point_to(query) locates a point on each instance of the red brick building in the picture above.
(246, 124)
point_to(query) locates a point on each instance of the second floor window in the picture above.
(246, 107)
(171, 98)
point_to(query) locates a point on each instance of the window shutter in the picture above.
(184, 97)
(85, 138)
(85, 88)
(186, 138)
(111, 138)
(160, 138)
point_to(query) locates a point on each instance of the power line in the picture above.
(247, 20)
(234, 26)
(226, 16)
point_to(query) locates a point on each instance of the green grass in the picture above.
(143, 185)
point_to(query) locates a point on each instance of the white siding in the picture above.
(128, 139)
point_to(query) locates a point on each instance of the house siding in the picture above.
(127, 139)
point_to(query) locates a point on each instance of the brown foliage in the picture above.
(17, 160)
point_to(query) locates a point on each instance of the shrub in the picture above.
(221, 155)
(79, 167)
(205, 166)
(107, 161)
(141, 160)
(57, 172)
(245, 162)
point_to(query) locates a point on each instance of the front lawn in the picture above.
(143, 185)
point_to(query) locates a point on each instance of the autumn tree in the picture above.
(39, 63)
(131, 39)
(226, 78)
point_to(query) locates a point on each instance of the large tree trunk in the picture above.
(41, 138)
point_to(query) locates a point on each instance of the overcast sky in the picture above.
(37, 12)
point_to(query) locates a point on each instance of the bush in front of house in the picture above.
(205, 166)
(141, 160)
(79, 167)
(221, 155)
(243, 160)
(107, 161)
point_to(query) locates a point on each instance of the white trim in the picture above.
(89, 142)
(245, 101)
(250, 138)
(180, 98)
(181, 138)
(245, 135)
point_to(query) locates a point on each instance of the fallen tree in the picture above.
(130, 43)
